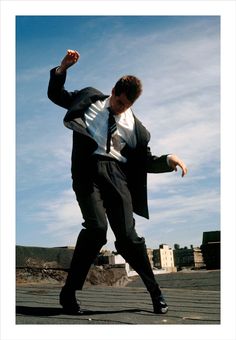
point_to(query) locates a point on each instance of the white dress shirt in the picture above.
(96, 120)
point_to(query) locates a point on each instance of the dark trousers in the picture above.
(107, 197)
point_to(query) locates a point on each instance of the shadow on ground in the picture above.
(52, 311)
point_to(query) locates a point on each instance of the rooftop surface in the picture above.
(193, 298)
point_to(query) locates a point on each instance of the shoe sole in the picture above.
(163, 310)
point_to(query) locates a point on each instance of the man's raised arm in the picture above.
(56, 91)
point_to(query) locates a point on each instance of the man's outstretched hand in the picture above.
(70, 59)
(175, 161)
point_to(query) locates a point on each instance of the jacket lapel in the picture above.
(142, 134)
(84, 99)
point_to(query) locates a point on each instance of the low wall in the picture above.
(50, 265)
(39, 257)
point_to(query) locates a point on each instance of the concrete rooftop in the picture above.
(193, 298)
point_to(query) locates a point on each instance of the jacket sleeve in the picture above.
(56, 91)
(157, 164)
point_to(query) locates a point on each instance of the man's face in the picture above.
(119, 104)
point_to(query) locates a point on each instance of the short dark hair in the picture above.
(130, 85)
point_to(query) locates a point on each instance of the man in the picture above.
(110, 162)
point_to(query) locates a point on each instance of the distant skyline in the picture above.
(178, 60)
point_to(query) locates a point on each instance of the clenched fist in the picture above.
(70, 59)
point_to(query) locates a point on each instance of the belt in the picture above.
(98, 157)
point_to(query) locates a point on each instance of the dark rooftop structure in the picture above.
(211, 249)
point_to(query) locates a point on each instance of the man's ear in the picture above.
(113, 91)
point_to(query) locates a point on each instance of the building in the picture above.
(188, 258)
(163, 258)
(150, 256)
(211, 249)
(107, 257)
(116, 259)
(198, 258)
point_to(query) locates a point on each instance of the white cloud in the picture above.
(61, 217)
(32, 74)
(179, 205)
(181, 218)
(62, 220)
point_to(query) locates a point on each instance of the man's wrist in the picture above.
(168, 159)
(60, 70)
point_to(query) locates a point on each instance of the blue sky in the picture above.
(178, 60)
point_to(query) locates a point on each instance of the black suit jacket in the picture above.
(140, 160)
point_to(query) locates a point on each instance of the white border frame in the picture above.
(9, 10)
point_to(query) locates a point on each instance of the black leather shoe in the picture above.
(159, 304)
(69, 303)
